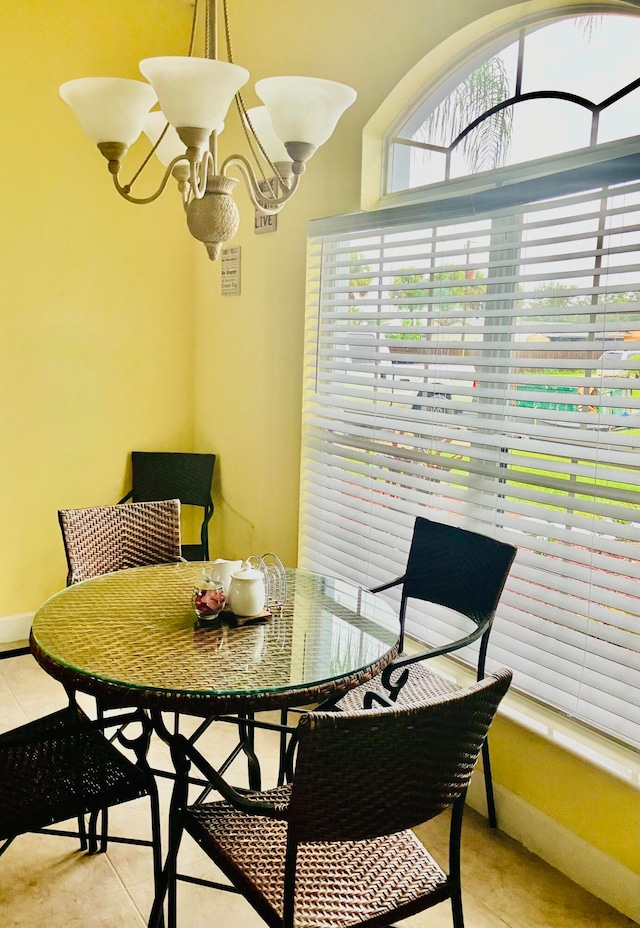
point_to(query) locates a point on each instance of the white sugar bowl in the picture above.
(247, 591)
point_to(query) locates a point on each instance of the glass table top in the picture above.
(131, 635)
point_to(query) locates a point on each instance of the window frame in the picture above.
(436, 90)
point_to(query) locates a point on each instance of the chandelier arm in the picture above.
(124, 190)
(266, 204)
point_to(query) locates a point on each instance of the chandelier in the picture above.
(194, 95)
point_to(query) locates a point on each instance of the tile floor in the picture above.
(45, 882)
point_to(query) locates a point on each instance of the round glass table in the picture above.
(128, 638)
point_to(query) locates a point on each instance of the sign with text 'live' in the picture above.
(266, 223)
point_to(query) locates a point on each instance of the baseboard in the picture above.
(586, 865)
(15, 627)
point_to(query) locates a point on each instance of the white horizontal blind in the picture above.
(501, 412)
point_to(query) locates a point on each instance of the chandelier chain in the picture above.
(249, 132)
(147, 159)
(192, 36)
(154, 148)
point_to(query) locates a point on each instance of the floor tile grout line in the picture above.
(143, 920)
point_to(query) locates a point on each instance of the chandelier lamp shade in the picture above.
(182, 107)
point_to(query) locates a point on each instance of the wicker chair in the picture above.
(62, 766)
(461, 570)
(103, 539)
(157, 475)
(334, 848)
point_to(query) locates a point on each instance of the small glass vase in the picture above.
(208, 597)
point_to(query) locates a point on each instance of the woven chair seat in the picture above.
(422, 683)
(338, 884)
(49, 773)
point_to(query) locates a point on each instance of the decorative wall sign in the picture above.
(262, 223)
(230, 276)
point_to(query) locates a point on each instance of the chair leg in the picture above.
(488, 785)
(289, 889)
(93, 833)
(169, 880)
(164, 876)
(156, 837)
(82, 833)
(456, 911)
(104, 834)
(455, 885)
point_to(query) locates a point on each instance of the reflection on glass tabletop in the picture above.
(134, 631)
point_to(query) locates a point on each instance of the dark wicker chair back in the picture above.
(457, 568)
(364, 774)
(460, 570)
(103, 539)
(158, 475)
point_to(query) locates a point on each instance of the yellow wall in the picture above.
(601, 809)
(248, 398)
(258, 336)
(96, 325)
(249, 348)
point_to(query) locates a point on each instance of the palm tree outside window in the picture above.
(551, 88)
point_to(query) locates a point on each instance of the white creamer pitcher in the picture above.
(222, 571)
(247, 591)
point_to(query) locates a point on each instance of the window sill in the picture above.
(616, 759)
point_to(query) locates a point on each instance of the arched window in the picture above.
(473, 355)
(537, 92)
